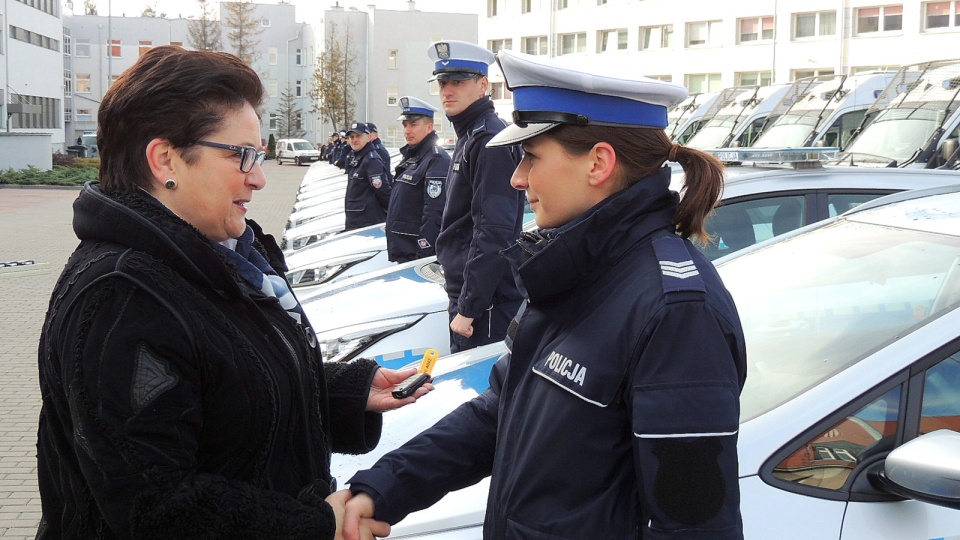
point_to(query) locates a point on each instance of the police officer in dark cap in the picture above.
(378, 144)
(343, 152)
(419, 194)
(483, 214)
(368, 181)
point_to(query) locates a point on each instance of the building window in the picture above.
(664, 78)
(819, 24)
(656, 37)
(702, 33)
(754, 78)
(499, 44)
(612, 40)
(265, 22)
(879, 19)
(67, 41)
(272, 122)
(492, 8)
(941, 15)
(84, 115)
(83, 84)
(113, 48)
(755, 29)
(698, 83)
(535, 45)
(601, 2)
(393, 96)
(145, 46)
(67, 83)
(562, 4)
(299, 57)
(272, 88)
(392, 58)
(804, 73)
(526, 6)
(573, 43)
(272, 55)
(298, 89)
(499, 90)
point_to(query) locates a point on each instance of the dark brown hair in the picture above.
(169, 93)
(642, 152)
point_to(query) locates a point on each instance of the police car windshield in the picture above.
(873, 285)
(303, 145)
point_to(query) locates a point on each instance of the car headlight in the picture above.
(321, 272)
(344, 344)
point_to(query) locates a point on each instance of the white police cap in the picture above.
(413, 107)
(459, 60)
(546, 95)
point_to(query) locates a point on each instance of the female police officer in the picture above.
(616, 413)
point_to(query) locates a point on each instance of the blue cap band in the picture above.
(597, 108)
(460, 65)
(418, 110)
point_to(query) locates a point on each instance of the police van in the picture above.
(741, 119)
(299, 151)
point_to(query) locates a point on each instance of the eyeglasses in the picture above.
(248, 154)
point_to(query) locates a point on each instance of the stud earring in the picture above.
(170, 183)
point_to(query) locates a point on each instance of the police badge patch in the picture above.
(443, 50)
(376, 181)
(434, 188)
(423, 243)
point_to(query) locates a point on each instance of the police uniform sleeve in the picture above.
(434, 199)
(497, 210)
(455, 453)
(684, 399)
(134, 400)
(379, 178)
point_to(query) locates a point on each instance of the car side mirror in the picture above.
(926, 469)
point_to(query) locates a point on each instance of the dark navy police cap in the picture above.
(358, 127)
(459, 60)
(546, 95)
(413, 108)
(372, 128)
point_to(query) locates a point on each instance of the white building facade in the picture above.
(707, 45)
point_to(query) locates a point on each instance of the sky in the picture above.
(307, 10)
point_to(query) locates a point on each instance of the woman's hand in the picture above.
(355, 517)
(381, 390)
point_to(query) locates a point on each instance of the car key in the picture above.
(409, 386)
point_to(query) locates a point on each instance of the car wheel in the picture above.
(296, 161)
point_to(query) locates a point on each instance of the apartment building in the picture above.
(708, 45)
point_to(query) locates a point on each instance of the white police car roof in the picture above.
(546, 94)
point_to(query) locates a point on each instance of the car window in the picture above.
(827, 460)
(874, 284)
(738, 224)
(838, 203)
(941, 396)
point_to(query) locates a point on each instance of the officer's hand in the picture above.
(358, 520)
(338, 501)
(381, 390)
(462, 325)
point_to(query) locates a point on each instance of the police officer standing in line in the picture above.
(418, 197)
(343, 154)
(483, 214)
(368, 181)
(378, 144)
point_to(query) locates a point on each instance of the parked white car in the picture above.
(850, 417)
(299, 151)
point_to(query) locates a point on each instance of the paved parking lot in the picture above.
(35, 225)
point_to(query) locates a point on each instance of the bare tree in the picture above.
(289, 117)
(335, 80)
(243, 27)
(89, 7)
(205, 32)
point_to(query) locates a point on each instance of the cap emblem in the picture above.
(443, 50)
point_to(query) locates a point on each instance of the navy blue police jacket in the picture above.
(368, 189)
(615, 415)
(483, 214)
(382, 152)
(343, 156)
(417, 200)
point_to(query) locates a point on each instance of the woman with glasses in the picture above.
(183, 392)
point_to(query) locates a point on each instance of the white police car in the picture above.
(850, 417)
(339, 256)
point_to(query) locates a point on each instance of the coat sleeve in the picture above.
(135, 403)
(354, 429)
(684, 399)
(455, 453)
(497, 211)
(376, 169)
(434, 200)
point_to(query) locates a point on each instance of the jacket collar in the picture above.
(549, 262)
(463, 122)
(422, 148)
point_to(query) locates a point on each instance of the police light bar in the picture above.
(792, 156)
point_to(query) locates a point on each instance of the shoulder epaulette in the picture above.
(677, 270)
